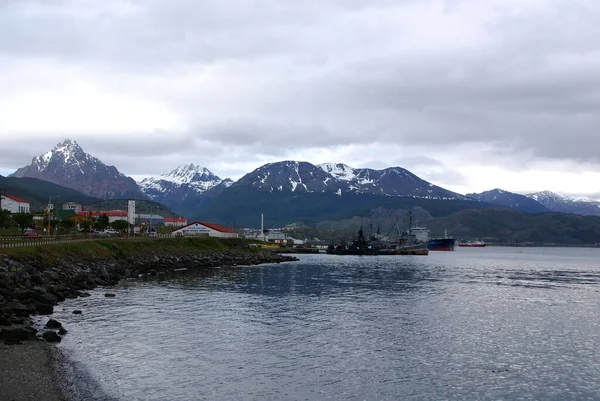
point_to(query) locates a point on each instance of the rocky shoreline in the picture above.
(34, 288)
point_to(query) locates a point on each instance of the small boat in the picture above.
(472, 244)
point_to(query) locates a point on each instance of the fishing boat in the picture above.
(414, 240)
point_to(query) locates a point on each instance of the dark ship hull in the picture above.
(441, 244)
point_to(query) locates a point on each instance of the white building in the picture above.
(205, 228)
(13, 204)
(77, 207)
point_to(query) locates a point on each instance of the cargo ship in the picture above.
(441, 244)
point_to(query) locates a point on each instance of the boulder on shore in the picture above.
(14, 335)
(53, 324)
(51, 336)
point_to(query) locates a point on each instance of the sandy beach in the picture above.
(28, 372)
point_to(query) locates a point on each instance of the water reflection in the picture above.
(337, 275)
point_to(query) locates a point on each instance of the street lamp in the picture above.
(50, 208)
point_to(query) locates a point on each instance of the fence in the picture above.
(16, 241)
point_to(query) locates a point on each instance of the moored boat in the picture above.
(442, 244)
(358, 247)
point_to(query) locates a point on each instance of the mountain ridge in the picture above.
(509, 200)
(69, 166)
(564, 204)
(181, 185)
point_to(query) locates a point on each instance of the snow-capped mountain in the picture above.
(301, 177)
(184, 181)
(564, 204)
(69, 166)
(510, 200)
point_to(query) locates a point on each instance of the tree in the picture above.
(5, 218)
(24, 220)
(120, 225)
(103, 222)
(67, 224)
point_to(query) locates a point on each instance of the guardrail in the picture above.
(18, 241)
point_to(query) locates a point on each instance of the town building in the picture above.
(149, 220)
(13, 204)
(77, 207)
(206, 228)
(113, 215)
(175, 221)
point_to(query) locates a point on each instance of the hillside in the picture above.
(494, 225)
(242, 207)
(38, 192)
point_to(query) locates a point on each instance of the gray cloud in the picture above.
(503, 83)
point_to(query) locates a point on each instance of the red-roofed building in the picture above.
(175, 221)
(113, 215)
(206, 228)
(13, 204)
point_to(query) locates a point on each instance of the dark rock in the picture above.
(83, 277)
(51, 336)
(41, 296)
(83, 294)
(42, 309)
(51, 275)
(20, 310)
(62, 331)
(103, 273)
(60, 296)
(13, 335)
(109, 295)
(77, 312)
(4, 321)
(100, 282)
(53, 324)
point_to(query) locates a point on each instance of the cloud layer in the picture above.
(468, 94)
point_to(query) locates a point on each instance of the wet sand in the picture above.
(28, 372)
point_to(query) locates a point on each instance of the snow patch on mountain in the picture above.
(338, 170)
(183, 180)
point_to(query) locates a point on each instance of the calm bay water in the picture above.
(488, 323)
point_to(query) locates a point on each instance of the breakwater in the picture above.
(33, 281)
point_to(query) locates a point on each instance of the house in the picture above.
(77, 207)
(206, 228)
(175, 221)
(13, 204)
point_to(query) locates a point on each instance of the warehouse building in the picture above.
(206, 228)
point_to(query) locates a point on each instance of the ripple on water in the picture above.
(484, 325)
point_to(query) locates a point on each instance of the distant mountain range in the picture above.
(285, 192)
(538, 202)
(510, 200)
(563, 204)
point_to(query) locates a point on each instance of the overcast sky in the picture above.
(468, 94)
